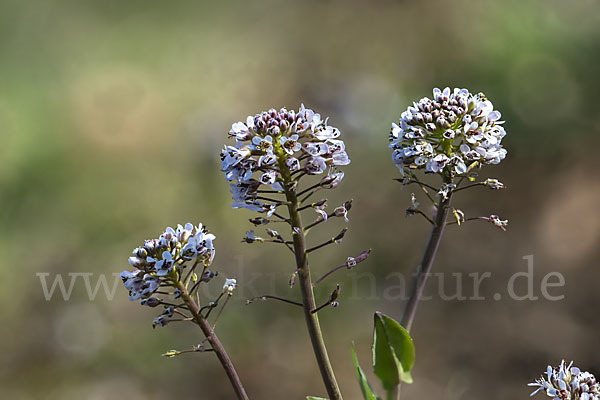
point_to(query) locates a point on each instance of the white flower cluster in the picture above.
(273, 142)
(446, 133)
(568, 383)
(156, 258)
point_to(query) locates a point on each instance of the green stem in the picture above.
(393, 394)
(427, 261)
(212, 338)
(425, 266)
(306, 287)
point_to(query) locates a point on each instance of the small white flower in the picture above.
(502, 224)
(161, 321)
(340, 158)
(350, 262)
(263, 144)
(232, 156)
(290, 144)
(341, 211)
(251, 237)
(493, 184)
(445, 190)
(267, 159)
(255, 205)
(292, 163)
(316, 148)
(322, 214)
(268, 177)
(459, 215)
(136, 262)
(229, 286)
(240, 131)
(437, 163)
(332, 179)
(315, 165)
(163, 266)
(413, 202)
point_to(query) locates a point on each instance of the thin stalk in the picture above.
(308, 298)
(424, 270)
(427, 261)
(265, 297)
(217, 347)
(394, 394)
(360, 258)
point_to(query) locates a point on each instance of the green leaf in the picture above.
(393, 352)
(365, 388)
(315, 398)
(385, 364)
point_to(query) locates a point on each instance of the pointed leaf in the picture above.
(365, 388)
(385, 364)
(393, 351)
(401, 343)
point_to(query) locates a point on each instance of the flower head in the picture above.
(157, 258)
(274, 144)
(567, 382)
(444, 134)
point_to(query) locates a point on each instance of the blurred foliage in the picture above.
(112, 115)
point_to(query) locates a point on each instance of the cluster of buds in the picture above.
(567, 382)
(444, 134)
(273, 143)
(160, 263)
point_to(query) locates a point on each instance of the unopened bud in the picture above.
(340, 236)
(150, 302)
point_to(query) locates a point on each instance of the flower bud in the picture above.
(150, 302)
(340, 236)
(494, 184)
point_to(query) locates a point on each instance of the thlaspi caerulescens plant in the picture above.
(276, 163)
(274, 153)
(166, 274)
(450, 135)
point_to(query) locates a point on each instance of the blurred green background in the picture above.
(112, 115)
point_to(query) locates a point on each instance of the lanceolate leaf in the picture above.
(385, 364)
(365, 388)
(393, 352)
